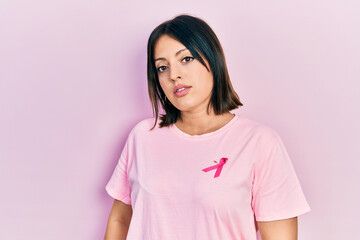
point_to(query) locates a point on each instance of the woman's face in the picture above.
(176, 66)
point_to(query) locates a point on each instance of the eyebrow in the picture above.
(177, 53)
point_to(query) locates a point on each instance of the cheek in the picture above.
(164, 77)
(164, 84)
(204, 79)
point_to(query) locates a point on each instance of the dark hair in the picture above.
(197, 36)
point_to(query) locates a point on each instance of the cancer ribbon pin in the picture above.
(218, 167)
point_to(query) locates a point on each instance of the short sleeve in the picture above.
(118, 185)
(276, 191)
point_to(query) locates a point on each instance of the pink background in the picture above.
(73, 84)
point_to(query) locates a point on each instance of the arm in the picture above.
(285, 229)
(119, 221)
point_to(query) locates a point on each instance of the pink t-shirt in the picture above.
(178, 191)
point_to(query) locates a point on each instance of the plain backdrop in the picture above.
(73, 84)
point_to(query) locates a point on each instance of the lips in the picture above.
(180, 86)
(182, 92)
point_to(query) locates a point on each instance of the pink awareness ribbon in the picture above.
(218, 167)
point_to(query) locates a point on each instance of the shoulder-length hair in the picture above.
(197, 36)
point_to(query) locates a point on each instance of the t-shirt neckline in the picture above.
(177, 131)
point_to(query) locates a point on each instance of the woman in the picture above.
(203, 172)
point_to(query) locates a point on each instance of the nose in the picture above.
(175, 73)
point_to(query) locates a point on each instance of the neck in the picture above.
(201, 122)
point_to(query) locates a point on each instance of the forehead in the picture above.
(167, 46)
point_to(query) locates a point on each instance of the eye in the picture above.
(187, 59)
(161, 69)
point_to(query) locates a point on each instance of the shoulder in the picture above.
(257, 129)
(143, 126)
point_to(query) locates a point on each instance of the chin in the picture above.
(188, 105)
(185, 108)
